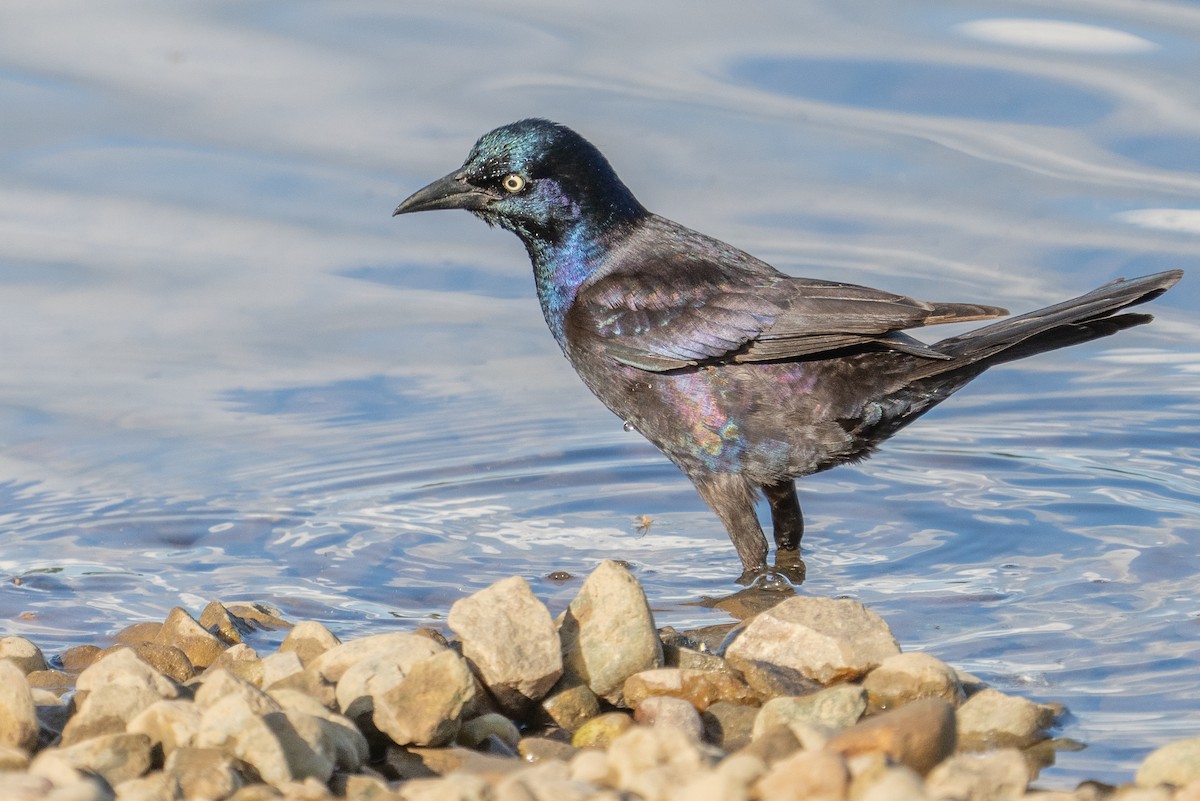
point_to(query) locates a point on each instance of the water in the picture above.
(228, 373)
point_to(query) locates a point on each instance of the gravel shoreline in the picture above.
(811, 698)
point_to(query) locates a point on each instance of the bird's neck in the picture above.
(560, 267)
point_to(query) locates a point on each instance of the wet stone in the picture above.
(74, 660)
(22, 654)
(218, 621)
(908, 677)
(571, 706)
(608, 632)
(138, 632)
(820, 639)
(919, 734)
(992, 719)
(54, 681)
(509, 638)
(184, 632)
(535, 749)
(476, 731)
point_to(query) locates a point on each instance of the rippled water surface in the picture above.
(226, 372)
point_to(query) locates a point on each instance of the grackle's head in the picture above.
(536, 178)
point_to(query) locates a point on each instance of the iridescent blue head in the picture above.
(536, 178)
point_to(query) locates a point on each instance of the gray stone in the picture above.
(350, 746)
(115, 757)
(999, 775)
(18, 717)
(571, 704)
(477, 731)
(820, 639)
(1176, 763)
(728, 725)
(991, 719)
(835, 708)
(168, 724)
(308, 640)
(121, 667)
(919, 734)
(363, 658)
(184, 632)
(908, 677)
(22, 653)
(508, 637)
(107, 710)
(608, 632)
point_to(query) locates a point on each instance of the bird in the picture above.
(745, 377)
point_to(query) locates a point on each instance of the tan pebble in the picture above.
(18, 717)
(218, 621)
(259, 615)
(241, 661)
(116, 757)
(772, 744)
(54, 681)
(13, 759)
(894, 783)
(919, 734)
(670, 712)
(805, 775)
(728, 726)
(589, 765)
(702, 688)
(835, 708)
(539, 749)
(203, 772)
(909, 677)
(570, 704)
(1001, 774)
(992, 719)
(76, 659)
(166, 659)
(169, 724)
(1176, 763)
(138, 632)
(279, 666)
(22, 653)
(184, 632)
(308, 640)
(601, 730)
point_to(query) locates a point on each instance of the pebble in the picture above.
(608, 632)
(919, 734)
(811, 700)
(1176, 763)
(509, 638)
(992, 719)
(824, 640)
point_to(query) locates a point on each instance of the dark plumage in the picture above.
(744, 377)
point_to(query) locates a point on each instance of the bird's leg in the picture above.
(732, 499)
(786, 518)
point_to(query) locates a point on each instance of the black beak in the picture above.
(450, 192)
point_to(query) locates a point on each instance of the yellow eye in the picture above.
(513, 183)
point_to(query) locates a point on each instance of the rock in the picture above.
(280, 745)
(425, 706)
(202, 773)
(536, 749)
(107, 709)
(279, 666)
(168, 724)
(994, 776)
(652, 763)
(919, 734)
(668, 712)
(773, 744)
(12, 759)
(350, 746)
(154, 786)
(184, 632)
(908, 677)
(818, 639)
(805, 775)
(546, 782)
(241, 661)
(509, 639)
(115, 757)
(991, 719)
(257, 616)
(166, 659)
(601, 730)
(54, 681)
(219, 685)
(410, 763)
(701, 688)
(476, 731)
(570, 705)
(727, 725)
(74, 660)
(308, 640)
(459, 787)
(121, 667)
(608, 632)
(836, 708)
(1176, 763)
(218, 621)
(394, 651)
(18, 718)
(589, 765)
(23, 654)
(896, 783)
(138, 632)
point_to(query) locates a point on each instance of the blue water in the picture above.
(226, 372)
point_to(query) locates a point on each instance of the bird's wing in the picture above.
(708, 312)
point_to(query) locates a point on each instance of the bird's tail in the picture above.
(1071, 322)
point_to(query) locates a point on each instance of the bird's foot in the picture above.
(789, 572)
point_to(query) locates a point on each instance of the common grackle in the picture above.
(744, 377)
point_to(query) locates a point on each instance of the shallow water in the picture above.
(227, 373)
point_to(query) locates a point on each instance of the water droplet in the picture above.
(628, 426)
